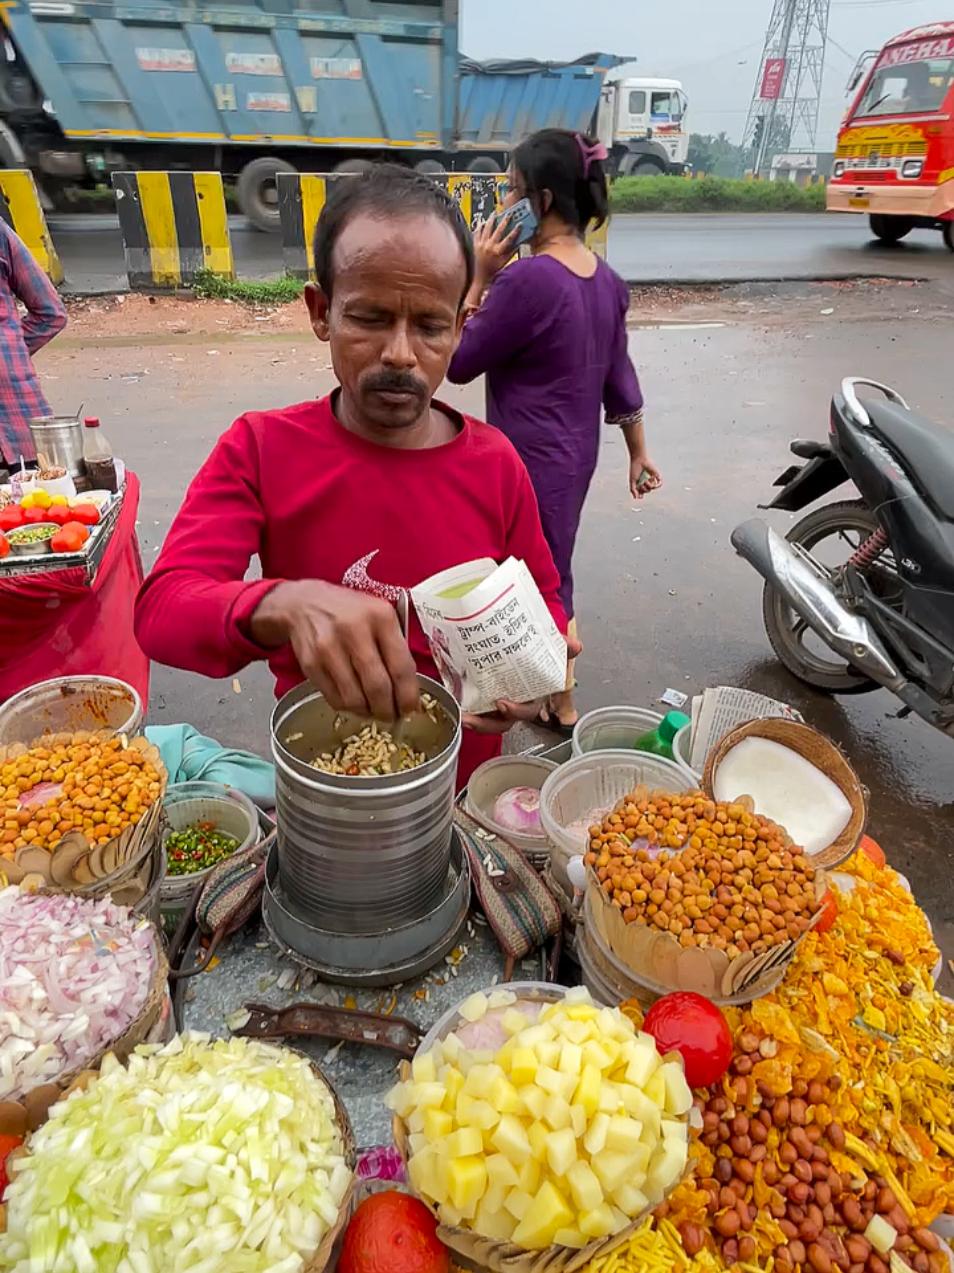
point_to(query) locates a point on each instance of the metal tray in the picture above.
(90, 556)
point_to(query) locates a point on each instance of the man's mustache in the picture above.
(395, 382)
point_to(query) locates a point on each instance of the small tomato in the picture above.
(4, 545)
(7, 1145)
(11, 517)
(871, 849)
(88, 514)
(33, 516)
(693, 1026)
(58, 514)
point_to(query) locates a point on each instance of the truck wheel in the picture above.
(353, 166)
(889, 229)
(947, 229)
(257, 192)
(484, 164)
(430, 167)
(633, 166)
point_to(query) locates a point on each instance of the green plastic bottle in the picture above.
(658, 742)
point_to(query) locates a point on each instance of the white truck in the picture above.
(642, 123)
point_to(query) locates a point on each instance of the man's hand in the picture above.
(644, 477)
(349, 645)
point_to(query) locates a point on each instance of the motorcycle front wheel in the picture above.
(830, 536)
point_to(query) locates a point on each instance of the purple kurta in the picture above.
(553, 348)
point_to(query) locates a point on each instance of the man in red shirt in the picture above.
(377, 480)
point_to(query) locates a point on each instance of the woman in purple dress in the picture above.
(549, 333)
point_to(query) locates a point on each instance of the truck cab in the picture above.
(642, 123)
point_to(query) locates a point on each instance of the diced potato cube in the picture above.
(593, 1053)
(655, 1089)
(570, 1237)
(501, 1171)
(424, 1068)
(429, 1095)
(597, 1223)
(582, 1012)
(571, 1059)
(610, 1097)
(416, 1142)
(557, 1113)
(415, 1120)
(623, 1134)
(678, 1091)
(493, 1221)
(595, 1138)
(549, 1053)
(620, 1219)
(501, 999)
(510, 1139)
(534, 1035)
(400, 1099)
(514, 1021)
(665, 1169)
(587, 1094)
(584, 1185)
(505, 1055)
(638, 1105)
(577, 994)
(474, 1008)
(644, 1063)
(881, 1234)
(578, 1120)
(611, 1168)
(503, 1096)
(561, 1151)
(537, 1134)
(466, 1181)
(528, 1176)
(626, 1025)
(534, 1101)
(523, 1066)
(450, 1215)
(550, 1080)
(608, 1020)
(518, 1203)
(493, 1199)
(451, 1048)
(426, 1171)
(437, 1123)
(462, 1144)
(480, 1080)
(630, 1200)
(547, 1214)
(453, 1082)
(578, 1032)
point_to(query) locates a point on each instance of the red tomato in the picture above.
(58, 514)
(88, 514)
(7, 1145)
(70, 539)
(871, 849)
(695, 1027)
(11, 517)
(4, 545)
(33, 516)
(828, 913)
(392, 1233)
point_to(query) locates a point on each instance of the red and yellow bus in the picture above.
(895, 157)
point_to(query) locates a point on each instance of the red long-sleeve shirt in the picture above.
(312, 500)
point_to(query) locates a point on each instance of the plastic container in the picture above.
(680, 754)
(490, 781)
(658, 741)
(69, 704)
(585, 789)
(612, 729)
(188, 802)
(150, 906)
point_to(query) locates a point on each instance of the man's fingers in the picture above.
(491, 724)
(329, 670)
(372, 672)
(519, 711)
(399, 663)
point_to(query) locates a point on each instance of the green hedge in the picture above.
(713, 194)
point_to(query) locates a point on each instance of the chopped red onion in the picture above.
(74, 973)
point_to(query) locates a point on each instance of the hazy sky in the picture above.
(714, 48)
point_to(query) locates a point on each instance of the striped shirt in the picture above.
(21, 398)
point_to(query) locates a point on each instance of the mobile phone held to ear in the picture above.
(522, 218)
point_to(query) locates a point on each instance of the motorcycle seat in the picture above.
(925, 448)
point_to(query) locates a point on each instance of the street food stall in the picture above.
(690, 1022)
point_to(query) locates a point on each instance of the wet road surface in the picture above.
(703, 248)
(661, 599)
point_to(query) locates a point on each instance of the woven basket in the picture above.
(475, 1252)
(133, 846)
(818, 751)
(33, 1107)
(322, 1257)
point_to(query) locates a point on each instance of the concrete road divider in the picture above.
(21, 209)
(302, 195)
(174, 225)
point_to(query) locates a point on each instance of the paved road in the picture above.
(671, 249)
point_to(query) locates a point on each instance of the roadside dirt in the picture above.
(137, 319)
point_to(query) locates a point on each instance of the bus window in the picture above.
(913, 88)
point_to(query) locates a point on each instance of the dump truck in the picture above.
(254, 88)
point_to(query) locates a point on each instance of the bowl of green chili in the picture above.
(27, 541)
(204, 823)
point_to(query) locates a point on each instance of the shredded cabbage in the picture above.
(200, 1157)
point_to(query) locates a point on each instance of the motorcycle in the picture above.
(878, 608)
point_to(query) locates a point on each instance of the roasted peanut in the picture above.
(727, 1223)
(819, 1258)
(747, 1248)
(926, 1240)
(692, 1237)
(836, 1135)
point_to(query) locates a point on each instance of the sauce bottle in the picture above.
(658, 742)
(98, 457)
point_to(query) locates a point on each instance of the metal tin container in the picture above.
(60, 439)
(70, 703)
(37, 547)
(362, 854)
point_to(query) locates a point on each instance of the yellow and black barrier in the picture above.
(174, 225)
(302, 195)
(20, 207)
